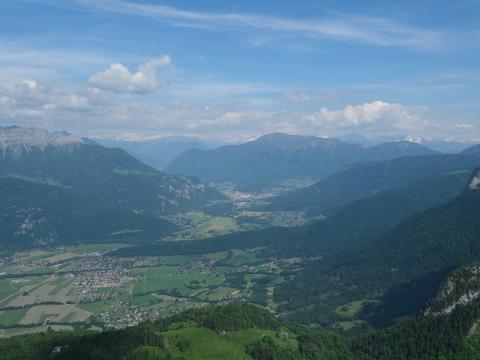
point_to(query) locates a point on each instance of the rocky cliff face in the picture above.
(461, 287)
(474, 183)
(16, 135)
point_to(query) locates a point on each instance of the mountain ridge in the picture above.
(99, 171)
(276, 158)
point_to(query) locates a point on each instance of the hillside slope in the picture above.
(364, 179)
(37, 214)
(401, 269)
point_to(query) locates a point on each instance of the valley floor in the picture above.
(83, 287)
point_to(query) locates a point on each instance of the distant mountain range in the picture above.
(157, 152)
(273, 159)
(445, 146)
(54, 184)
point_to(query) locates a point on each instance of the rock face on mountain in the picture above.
(276, 158)
(462, 287)
(474, 183)
(16, 135)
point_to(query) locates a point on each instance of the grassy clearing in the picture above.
(248, 257)
(89, 248)
(24, 287)
(216, 294)
(39, 271)
(207, 344)
(148, 299)
(32, 330)
(60, 257)
(202, 225)
(29, 295)
(58, 313)
(348, 325)
(12, 317)
(7, 288)
(94, 307)
(172, 280)
(61, 284)
(37, 254)
(196, 217)
(350, 310)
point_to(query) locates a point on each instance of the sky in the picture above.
(234, 70)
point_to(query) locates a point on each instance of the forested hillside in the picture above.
(35, 214)
(247, 332)
(350, 227)
(402, 269)
(364, 179)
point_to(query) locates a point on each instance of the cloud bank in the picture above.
(92, 111)
(378, 115)
(117, 78)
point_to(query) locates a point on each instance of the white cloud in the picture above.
(68, 102)
(90, 111)
(465, 126)
(32, 99)
(380, 115)
(117, 78)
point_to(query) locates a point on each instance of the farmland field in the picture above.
(83, 287)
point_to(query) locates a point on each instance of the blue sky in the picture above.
(238, 69)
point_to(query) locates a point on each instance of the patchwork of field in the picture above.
(34, 290)
(81, 286)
